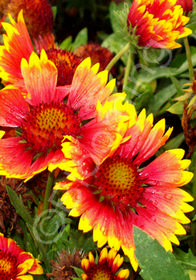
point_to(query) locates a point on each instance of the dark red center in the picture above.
(100, 272)
(8, 266)
(46, 125)
(117, 179)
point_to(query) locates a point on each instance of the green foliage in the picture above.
(156, 78)
(118, 39)
(187, 260)
(81, 39)
(19, 206)
(154, 261)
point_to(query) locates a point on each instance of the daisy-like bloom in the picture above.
(97, 53)
(17, 45)
(157, 23)
(38, 15)
(43, 120)
(186, 5)
(129, 188)
(15, 263)
(66, 64)
(107, 267)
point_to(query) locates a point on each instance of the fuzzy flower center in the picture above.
(100, 272)
(47, 124)
(8, 267)
(117, 179)
(66, 63)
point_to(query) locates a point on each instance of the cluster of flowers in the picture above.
(69, 118)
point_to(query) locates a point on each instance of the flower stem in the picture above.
(117, 57)
(127, 70)
(188, 55)
(48, 191)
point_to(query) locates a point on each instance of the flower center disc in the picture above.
(100, 272)
(47, 124)
(118, 180)
(8, 267)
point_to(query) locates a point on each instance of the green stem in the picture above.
(188, 55)
(127, 70)
(117, 57)
(48, 191)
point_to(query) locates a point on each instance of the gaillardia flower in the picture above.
(129, 188)
(157, 23)
(15, 263)
(66, 64)
(42, 119)
(187, 5)
(38, 15)
(107, 267)
(97, 53)
(17, 45)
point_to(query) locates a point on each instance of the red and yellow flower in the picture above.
(157, 23)
(43, 121)
(128, 188)
(107, 267)
(66, 64)
(18, 45)
(97, 53)
(38, 16)
(15, 263)
(186, 5)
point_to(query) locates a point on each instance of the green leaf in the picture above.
(66, 44)
(54, 11)
(192, 23)
(81, 38)
(173, 143)
(78, 271)
(154, 261)
(118, 15)
(19, 206)
(23, 212)
(188, 260)
(148, 74)
(180, 61)
(115, 43)
(142, 93)
(178, 85)
(160, 98)
(176, 108)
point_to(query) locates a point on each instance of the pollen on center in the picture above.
(117, 179)
(7, 267)
(100, 272)
(46, 125)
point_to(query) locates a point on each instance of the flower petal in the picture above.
(17, 45)
(87, 88)
(40, 77)
(13, 107)
(166, 170)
